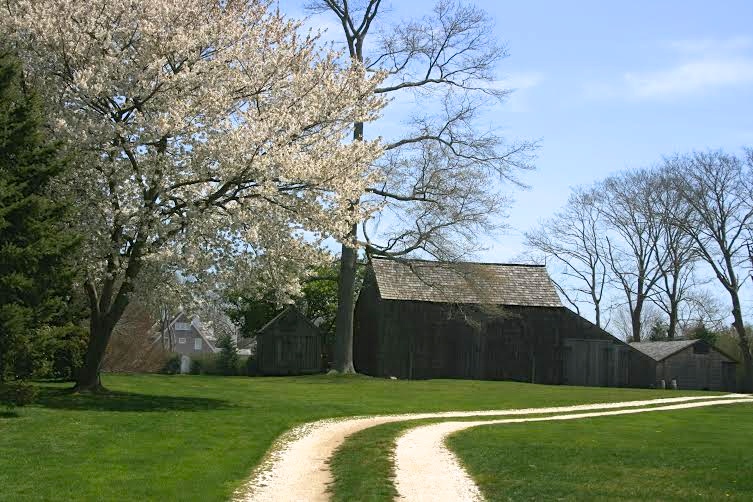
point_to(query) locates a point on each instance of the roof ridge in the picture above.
(438, 262)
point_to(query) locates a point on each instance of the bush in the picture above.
(18, 393)
(227, 359)
(172, 365)
(52, 352)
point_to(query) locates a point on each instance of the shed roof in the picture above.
(290, 310)
(465, 282)
(662, 350)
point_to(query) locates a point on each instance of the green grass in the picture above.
(198, 437)
(694, 454)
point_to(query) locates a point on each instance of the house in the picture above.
(289, 344)
(693, 364)
(423, 319)
(190, 337)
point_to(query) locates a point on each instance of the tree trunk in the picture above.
(345, 307)
(672, 328)
(743, 343)
(346, 300)
(88, 379)
(635, 321)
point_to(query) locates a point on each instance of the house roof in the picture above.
(662, 350)
(289, 310)
(465, 282)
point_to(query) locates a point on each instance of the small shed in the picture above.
(420, 319)
(289, 344)
(694, 364)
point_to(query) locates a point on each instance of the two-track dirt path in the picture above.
(297, 467)
(426, 470)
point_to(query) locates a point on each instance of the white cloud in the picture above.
(697, 67)
(693, 77)
(712, 46)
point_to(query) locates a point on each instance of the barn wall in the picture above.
(696, 371)
(420, 340)
(366, 328)
(591, 356)
(289, 346)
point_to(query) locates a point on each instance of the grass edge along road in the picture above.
(157, 437)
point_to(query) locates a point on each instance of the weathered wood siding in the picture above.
(289, 345)
(700, 367)
(419, 340)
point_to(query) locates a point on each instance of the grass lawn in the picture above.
(161, 437)
(695, 454)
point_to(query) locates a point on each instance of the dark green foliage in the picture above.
(227, 359)
(701, 332)
(36, 271)
(17, 394)
(172, 365)
(221, 365)
(52, 352)
(658, 331)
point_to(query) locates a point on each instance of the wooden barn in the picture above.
(289, 344)
(693, 364)
(422, 319)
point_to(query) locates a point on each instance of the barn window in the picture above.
(700, 348)
(181, 340)
(182, 326)
(197, 344)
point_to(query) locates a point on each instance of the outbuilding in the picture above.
(692, 364)
(420, 319)
(289, 344)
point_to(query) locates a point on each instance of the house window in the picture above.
(181, 340)
(700, 348)
(182, 326)
(197, 344)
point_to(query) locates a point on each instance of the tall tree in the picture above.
(632, 239)
(36, 273)
(574, 238)
(717, 187)
(437, 187)
(675, 254)
(208, 137)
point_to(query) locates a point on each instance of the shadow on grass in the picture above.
(124, 401)
(8, 414)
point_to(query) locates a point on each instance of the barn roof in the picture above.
(662, 350)
(464, 282)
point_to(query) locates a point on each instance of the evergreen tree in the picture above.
(35, 245)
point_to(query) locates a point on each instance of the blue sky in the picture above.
(607, 86)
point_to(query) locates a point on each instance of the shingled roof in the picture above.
(468, 283)
(662, 350)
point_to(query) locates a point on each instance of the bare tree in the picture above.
(438, 190)
(574, 238)
(632, 240)
(675, 252)
(717, 187)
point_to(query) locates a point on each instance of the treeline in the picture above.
(648, 240)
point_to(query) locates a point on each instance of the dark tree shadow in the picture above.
(124, 401)
(8, 414)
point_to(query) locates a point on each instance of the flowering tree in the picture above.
(208, 136)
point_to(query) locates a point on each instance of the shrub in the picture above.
(172, 365)
(227, 359)
(18, 393)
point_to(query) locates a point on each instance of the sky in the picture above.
(605, 86)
